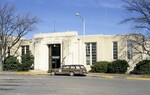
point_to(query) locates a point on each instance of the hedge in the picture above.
(11, 63)
(100, 67)
(142, 67)
(118, 66)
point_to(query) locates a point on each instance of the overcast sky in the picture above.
(101, 16)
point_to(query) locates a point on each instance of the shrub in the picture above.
(11, 63)
(27, 61)
(100, 67)
(118, 66)
(142, 67)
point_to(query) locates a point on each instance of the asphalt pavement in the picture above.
(19, 84)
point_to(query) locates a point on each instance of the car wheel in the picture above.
(71, 73)
(53, 73)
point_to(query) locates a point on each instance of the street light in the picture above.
(83, 20)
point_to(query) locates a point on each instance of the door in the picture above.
(54, 56)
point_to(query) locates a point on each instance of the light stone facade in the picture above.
(73, 49)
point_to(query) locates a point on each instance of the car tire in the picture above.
(71, 73)
(53, 73)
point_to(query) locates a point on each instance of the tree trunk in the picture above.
(1, 65)
(1, 62)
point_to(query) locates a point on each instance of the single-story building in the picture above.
(51, 50)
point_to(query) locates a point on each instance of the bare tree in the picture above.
(12, 28)
(140, 10)
(140, 20)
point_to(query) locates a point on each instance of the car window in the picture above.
(72, 67)
(77, 67)
(66, 67)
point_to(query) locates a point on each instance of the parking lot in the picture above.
(13, 84)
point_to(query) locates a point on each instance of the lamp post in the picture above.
(83, 20)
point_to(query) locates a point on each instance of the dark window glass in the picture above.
(8, 51)
(27, 49)
(56, 50)
(23, 50)
(93, 53)
(115, 50)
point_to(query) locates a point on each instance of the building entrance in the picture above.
(54, 56)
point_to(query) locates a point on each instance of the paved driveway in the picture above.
(65, 85)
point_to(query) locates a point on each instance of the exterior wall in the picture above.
(73, 48)
(104, 46)
(16, 50)
(69, 48)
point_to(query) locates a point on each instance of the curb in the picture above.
(32, 73)
(130, 78)
(108, 77)
(120, 77)
(101, 76)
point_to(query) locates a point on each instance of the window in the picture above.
(25, 49)
(129, 49)
(66, 67)
(115, 50)
(8, 51)
(77, 67)
(88, 54)
(91, 53)
(72, 67)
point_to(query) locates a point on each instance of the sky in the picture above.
(101, 16)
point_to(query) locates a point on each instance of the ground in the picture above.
(13, 84)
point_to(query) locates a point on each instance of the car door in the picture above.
(65, 69)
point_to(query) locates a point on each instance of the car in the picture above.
(70, 70)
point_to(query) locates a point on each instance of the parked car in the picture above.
(70, 70)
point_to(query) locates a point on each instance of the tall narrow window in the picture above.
(25, 49)
(8, 51)
(91, 53)
(87, 54)
(115, 50)
(129, 49)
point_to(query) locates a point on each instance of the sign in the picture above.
(55, 57)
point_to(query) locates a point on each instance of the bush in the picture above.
(27, 61)
(142, 67)
(11, 63)
(118, 66)
(100, 67)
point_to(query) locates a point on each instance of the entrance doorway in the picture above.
(54, 56)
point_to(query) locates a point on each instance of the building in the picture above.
(51, 50)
